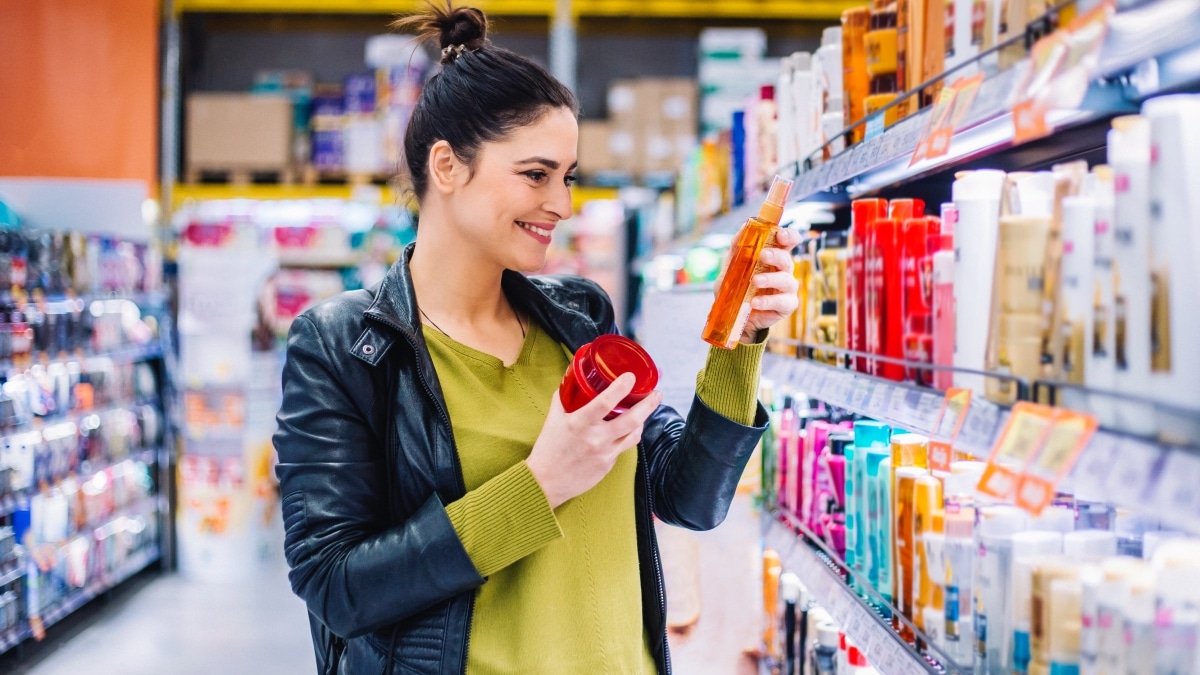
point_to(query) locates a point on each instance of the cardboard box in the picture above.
(595, 152)
(238, 132)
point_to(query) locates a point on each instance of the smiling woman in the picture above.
(444, 513)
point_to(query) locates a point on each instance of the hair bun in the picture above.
(448, 26)
(466, 26)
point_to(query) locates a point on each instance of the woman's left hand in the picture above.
(775, 296)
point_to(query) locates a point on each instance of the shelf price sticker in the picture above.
(1134, 469)
(1066, 439)
(1175, 496)
(978, 431)
(1091, 471)
(949, 423)
(1019, 443)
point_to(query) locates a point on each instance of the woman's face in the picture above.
(519, 191)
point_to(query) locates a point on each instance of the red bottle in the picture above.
(864, 212)
(887, 301)
(921, 237)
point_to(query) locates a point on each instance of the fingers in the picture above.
(780, 303)
(777, 259)
(787, 238)
(782, 282)
(605, 401)
(634, 418)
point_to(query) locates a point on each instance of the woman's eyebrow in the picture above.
(549, 163)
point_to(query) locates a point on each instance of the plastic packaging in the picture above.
(598, 363)
(732, 306)
(977, 198)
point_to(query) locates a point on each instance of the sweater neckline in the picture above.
(490, 360)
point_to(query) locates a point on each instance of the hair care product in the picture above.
(855, 78)
(732, 306)
(943, 326)
(864, 302)
(927, 593)
(1028, 549)
(1099, 358)
(977, 199)
(995, 528)
(1078, 292)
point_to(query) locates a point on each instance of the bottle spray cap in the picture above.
(792, 588)
(777, 195)
(827, 635)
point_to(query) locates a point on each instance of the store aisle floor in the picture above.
(172, 625)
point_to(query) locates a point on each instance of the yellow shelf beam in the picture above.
(667, 9)
(182, 193)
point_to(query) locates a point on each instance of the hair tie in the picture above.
(452, 52)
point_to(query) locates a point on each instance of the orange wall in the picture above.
(79, 89)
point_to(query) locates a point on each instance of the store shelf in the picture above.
(74, 601)
(871, 633)
(1136, 472)
(12, 501)
(702, 9)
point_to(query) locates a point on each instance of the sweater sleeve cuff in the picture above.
(504, 520)
(729, 382)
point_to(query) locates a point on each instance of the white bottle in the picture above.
(1129, 156)
(1174, 243)
(1028, 549)
(1078, 293)
(786, 136)
(994, 532)
(977, 198)
(1099, 359)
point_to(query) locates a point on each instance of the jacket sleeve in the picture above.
(355, 569)
(694, 465)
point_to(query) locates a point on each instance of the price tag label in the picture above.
(928, 410)
(1091, 471)
(978, 431)
(877, 405)
(945, 430)
(875, 125)
(1020, 441)
(1176, 496)
(861, 393)
(1069, 434)
(897, 407)
(1134, 468)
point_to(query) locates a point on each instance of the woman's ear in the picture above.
(446, 171)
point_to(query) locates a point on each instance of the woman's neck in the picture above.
(453, 282)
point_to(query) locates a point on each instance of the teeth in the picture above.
(534, 229)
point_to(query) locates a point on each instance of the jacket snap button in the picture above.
(368, 349)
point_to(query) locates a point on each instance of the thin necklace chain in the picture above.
(520, 324)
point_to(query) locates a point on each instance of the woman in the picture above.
(443, 513)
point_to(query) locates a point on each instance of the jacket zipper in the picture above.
(462, 482)
(662, 593)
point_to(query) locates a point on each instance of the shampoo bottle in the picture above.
(1099, 359)
(855, 79)
(977, 199)
(943, 300)
(1078, 265)
(732, 306)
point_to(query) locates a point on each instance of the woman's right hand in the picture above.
(575, 451)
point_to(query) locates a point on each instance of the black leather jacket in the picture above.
(367, 462)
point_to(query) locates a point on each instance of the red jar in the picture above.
(598, 363)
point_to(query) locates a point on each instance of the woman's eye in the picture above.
(536, 176)
(570, 180)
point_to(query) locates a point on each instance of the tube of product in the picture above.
(1139, 624)
(934, 551)
(1174, 243)
(1078, 292)
(1099, 360)
(856, 470)
(792, 590)
(885, 534)
(916, 268)
(876, 524)
(788, 429)
(1177, 628)
(865, 304)
(1129, 155)
(977, 198)
(1064, 626)
(1018, 324)
(771, 573)
(943, 298)
(960, 558)
(732, 306)
(1091, 578)
(1044, 611)
(855, 78)
(927, 501)
(1114, 594)
(887, 234)
(1029, 548)
(994, 531)
(813, 481)
(786, 138)
(905, 545)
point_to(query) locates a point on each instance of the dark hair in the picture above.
(482, 93)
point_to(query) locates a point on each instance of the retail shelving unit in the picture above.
(112, 479)
(1150, 49)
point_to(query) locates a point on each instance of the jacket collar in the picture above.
(395, 305)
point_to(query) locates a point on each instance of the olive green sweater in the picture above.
(562, 592)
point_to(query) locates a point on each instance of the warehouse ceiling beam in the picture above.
(666, 9)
